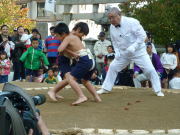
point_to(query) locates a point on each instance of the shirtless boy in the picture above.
(83, 68)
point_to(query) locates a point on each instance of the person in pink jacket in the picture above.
(5, 65)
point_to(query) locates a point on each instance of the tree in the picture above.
(13, 15)
(159, 17)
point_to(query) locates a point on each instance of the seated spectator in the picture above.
(95, 79)
(139, 76)
(57, 74)
(110, 51)
(174, 83)
(51, 79)
(32, 60)
(40, 76)
(169, 62)
(125, 77)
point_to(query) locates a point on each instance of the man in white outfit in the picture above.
(128, 38)
(100, 50)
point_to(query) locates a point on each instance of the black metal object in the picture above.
(2, 120)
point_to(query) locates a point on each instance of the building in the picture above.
(69, 11)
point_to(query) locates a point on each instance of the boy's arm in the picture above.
(64, 44)
(46, 62)
(24, 55)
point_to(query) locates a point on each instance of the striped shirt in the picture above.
(52, 44)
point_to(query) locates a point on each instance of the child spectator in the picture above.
(110, 58)
(169, 62)
(174, 83)
(95, 79)
(110, 51)
(56, 74)
(26, 38)
(51, 78)
(4, 67)
(26, 31)
(40, 76)
(35, 34)
(51, 47)
(32, 60)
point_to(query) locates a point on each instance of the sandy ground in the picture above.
(122, 109)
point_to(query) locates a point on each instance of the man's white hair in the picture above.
(114, 10)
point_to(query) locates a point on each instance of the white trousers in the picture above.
(138, 79)
(143, 62)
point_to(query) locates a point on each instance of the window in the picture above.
(40, 9)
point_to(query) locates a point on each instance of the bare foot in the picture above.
(80, 100)
(52, 95)
(59, 97)
(97, 98)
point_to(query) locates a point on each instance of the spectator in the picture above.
(51, 79)
(40, 76)
(35, 34)
(95, 79)
(15, 33)
(26, 38)
(18, 66)
(174, 83)
(169, 62)
(125, 77)
(149, 39)
(177, 53)
(100, 50)
(51, 46)
(110, 51)
(32, 58)
(41, 42)
(110, 58)
(57, 74)
(26, 31)
(5, 65)
(6, 43)
(139, 76)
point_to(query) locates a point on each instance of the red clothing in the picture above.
(5, 66)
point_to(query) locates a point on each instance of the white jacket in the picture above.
(128, 39)
(8, 47)
(175, 83)
(169, 61)
(26, 38)
(100, 47)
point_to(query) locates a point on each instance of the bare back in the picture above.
(75, 44)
